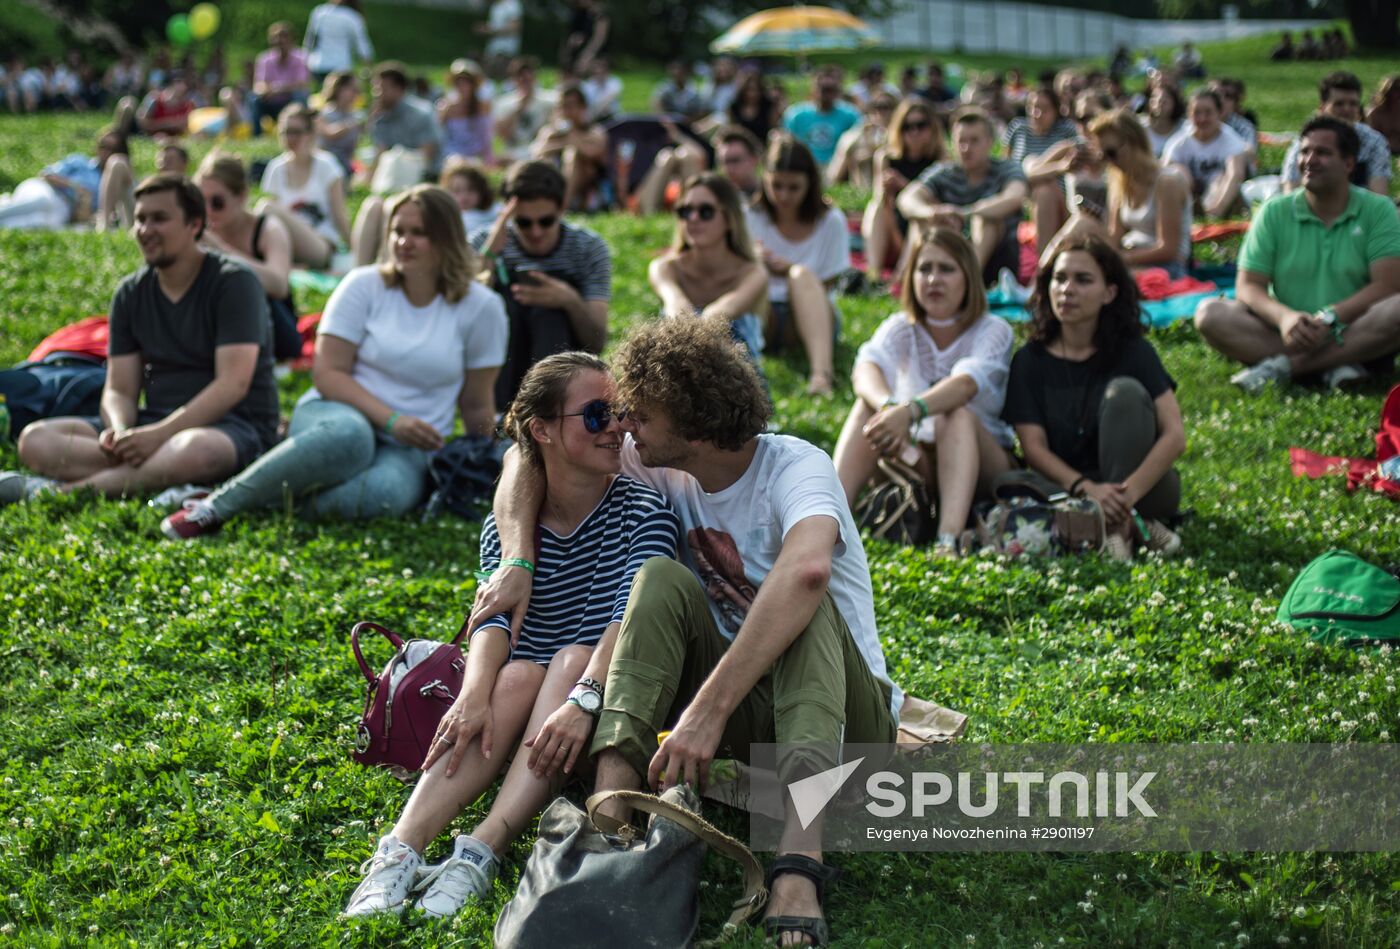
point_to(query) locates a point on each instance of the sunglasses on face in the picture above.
(217, 203)
(706, 212)
(1110, 153)
(596, 415)
(915, 126)
(530, 223)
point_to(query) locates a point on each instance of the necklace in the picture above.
(1081, 422)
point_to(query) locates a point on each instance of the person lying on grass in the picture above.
(766, 632)
(931, 382)
(190, 332)
(402, 348)
(540, 679)
(1095, 411)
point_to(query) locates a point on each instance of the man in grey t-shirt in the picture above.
(976, 194)
(399, 119)
(191, 332)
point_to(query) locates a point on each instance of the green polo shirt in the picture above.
(1310, 265)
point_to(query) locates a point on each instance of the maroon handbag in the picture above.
(405, 702)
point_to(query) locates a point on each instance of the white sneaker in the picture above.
(1340, 376)
(1256, 377)
(1161, 539)
(467, 874)
(389, 876)
(16, 486)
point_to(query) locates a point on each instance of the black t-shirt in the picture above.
(225, 305)
(1063, 397)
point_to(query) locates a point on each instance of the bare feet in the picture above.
(821, 382)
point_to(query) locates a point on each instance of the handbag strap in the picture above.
(388, 634)
(755, 893)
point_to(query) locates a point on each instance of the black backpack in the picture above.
(464, 473)
(61, 384)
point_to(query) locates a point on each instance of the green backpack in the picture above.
(1343, 599)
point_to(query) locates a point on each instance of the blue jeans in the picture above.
(333, 465)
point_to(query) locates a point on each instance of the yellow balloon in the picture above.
(204, 20)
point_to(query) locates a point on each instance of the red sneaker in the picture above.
(195, 519)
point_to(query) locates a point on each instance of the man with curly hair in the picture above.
(765, 632)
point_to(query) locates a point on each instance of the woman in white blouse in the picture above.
(930, 385)
(305, 192)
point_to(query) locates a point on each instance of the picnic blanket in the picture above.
(1165, 301)
(1360, 472)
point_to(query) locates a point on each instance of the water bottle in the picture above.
(1390, 468)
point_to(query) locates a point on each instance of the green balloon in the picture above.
(177, 29)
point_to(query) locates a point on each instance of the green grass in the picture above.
(177, 719)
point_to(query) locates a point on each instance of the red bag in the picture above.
(405, 702)
(87, 336)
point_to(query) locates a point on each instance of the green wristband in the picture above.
(517, 562)
(923, 407)
(389, 424)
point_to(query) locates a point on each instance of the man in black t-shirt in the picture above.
(190, 331)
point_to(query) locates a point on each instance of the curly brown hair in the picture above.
(692, 371)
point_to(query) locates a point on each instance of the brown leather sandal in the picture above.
(813, 927)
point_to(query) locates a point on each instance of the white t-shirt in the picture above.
(528, 121)
(826, 252)
(1205, 160)
(311, 201)
(912, 362)
(480, 217)
(507, 44)
(604, 96)
(415, 358)
(789, 480)
(335, 34)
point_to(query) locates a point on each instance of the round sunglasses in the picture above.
(596, 415)
(706, 212)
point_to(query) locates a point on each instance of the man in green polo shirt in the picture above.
(1319, 280)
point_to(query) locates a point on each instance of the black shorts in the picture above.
(247, 443)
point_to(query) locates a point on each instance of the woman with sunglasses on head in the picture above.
(402, 349)
(930, 385)
(259, 241)
(915, 141)
(1149, 207)
(1095, 411)
(545, 684)
(305, 191)
(802, 241)
(711, 269)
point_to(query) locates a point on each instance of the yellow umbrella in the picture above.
(795, 31)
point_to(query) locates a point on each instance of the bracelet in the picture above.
(389, 424)
(518, 562)
(889, 401)
(1076, 483)
(922, 406)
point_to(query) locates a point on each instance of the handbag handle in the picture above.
(388, 634)
(755, 893)
(900, 473)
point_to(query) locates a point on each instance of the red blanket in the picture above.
(1360, 472)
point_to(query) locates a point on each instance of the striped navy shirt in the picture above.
(582, 581)
(581, 258)
(1022, 140)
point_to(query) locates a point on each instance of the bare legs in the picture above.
(881, 235)
(367, 236)
(671, 164)
(524, 695)
(1233, 330)
(815, 324)
(310, 247)
(116, 199)
(1048, 211)
(66, 449)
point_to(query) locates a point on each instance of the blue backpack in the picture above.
(61, 384)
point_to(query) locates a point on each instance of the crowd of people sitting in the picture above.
(472, 305)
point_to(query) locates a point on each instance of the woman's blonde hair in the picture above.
(226, 169)
(541, 395)
(442, 223)
(894, 139)
(1132, 136)
(974, 301)
(730, 204)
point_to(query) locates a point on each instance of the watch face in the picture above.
(589, 700)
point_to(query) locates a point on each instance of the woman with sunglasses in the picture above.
(930, 385)
(402, 349)
(915, 141)
(802, 241)
(305, 191)
(711, 269)
(1095, 411)
(258, 241)
(545, 684)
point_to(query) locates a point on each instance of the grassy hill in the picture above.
(174, 761)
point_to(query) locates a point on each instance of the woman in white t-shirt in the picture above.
(335, 36)
(402, 349)
(1211, 153)
(802, 240)
(304, 191)
(930, 386)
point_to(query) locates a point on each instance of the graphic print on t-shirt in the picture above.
(722, 572)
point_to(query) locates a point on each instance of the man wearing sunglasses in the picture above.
(556, 277)
(764, 630)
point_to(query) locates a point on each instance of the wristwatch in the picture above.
(586, 699)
